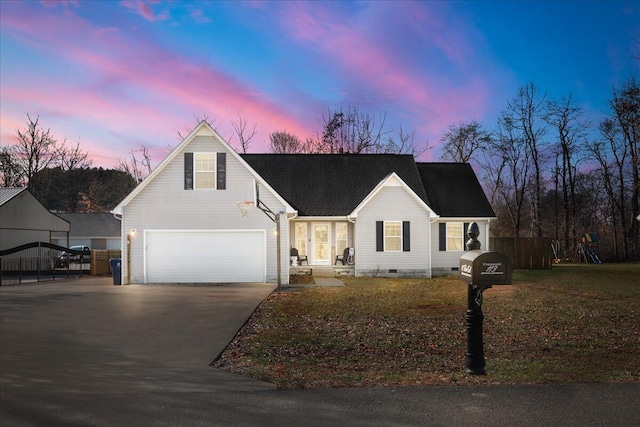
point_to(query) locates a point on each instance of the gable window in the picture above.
(452, 236)
(205, 170)
(393, 236)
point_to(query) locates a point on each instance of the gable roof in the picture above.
(203, 128)
(453, 190)
(95, 225)
(8, 193)
(332, 184)
(392, 180)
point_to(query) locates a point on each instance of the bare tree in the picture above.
(526, 110)
(71, 157)
(35, 150)
(509, 167)
(282, 142)
(138, 165)
(10, 172)
(463, 140)
(197, 118)
(351, 131)
(625, 105)
(404, 143)
(244, 136)
(567, 119)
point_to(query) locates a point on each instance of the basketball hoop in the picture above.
(244, 207)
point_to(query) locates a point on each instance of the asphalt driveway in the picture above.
(85, 352)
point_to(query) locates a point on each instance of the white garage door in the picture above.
(179, 256)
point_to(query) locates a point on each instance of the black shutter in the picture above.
(443, 236)
(188, 171)
(464, 236)
(221, 172)
(406, 239)
(379, 236)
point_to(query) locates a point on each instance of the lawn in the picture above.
(574, 323)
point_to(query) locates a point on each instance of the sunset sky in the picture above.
(117, 74)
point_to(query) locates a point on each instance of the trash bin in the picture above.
(115, 264)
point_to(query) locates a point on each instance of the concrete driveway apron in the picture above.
(88, 336)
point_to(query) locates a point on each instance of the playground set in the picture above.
(585, 250)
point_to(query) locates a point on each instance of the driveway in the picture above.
(85, 352)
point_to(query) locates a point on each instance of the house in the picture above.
(23, 219)
(182, 223)
(97, 230)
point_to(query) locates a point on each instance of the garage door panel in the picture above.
(205, 256)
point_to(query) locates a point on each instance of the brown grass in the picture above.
(570, 324)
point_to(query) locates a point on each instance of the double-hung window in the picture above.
(205, 170)
(393, 236)
(452, 236)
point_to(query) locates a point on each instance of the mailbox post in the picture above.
(480, 270)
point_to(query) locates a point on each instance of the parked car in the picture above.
(66, 258)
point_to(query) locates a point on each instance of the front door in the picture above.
(320, 247)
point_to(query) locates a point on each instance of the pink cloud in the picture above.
(134, 87)
(144, 9)
(350, 44)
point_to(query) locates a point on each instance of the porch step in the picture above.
(322, 271)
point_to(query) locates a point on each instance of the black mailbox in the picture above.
(485, 269)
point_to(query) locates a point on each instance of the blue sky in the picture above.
(116, 74)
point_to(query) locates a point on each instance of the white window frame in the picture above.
(460, 237)
(384, 236)
(196, 171)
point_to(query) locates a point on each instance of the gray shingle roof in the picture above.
(8, 193)
(453, 190)
(331, 184)
(334, 184)
(92, 225)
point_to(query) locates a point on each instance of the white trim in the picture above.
(392, 180)
(159, 230)
(203, 128)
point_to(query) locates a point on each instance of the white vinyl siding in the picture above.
(390, 204)
(164, 205)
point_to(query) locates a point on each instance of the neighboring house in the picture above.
(97, 230)
(23, 219)
(401, 217)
